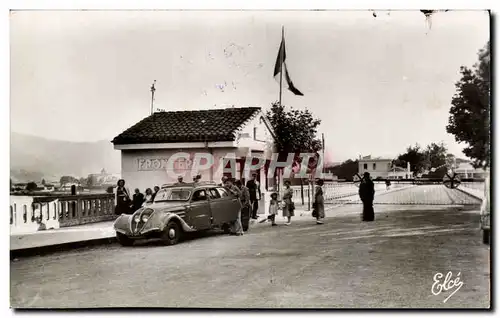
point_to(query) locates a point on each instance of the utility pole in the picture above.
(153, 89)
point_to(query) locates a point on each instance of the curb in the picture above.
(50, 249)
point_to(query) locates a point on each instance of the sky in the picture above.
(379, 84)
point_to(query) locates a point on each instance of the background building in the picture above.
(382, 168)
(231, 133)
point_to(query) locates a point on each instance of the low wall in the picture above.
(31, 214)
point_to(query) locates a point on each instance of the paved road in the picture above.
(343, 263)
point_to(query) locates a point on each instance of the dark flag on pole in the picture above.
(280, 65)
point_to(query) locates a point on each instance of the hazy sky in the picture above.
(378, 84)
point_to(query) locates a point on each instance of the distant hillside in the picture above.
(34, 157)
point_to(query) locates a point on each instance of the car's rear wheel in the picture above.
(226, 228)
(124, 240)
(171, 234)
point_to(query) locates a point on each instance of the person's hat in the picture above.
(274, 194)
(366, 174)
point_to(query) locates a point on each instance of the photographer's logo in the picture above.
(445, 285)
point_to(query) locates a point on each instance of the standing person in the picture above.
(254, 190)
(289, 206)
(180, 180)
(223, 181)
(367, 194)
(123, 200)
(197, 179)
(319, 202)
(157, 188)
(149, 196)
(245, 204)
(236, 227)
(137, 200)
(387, 184)
(273, 209)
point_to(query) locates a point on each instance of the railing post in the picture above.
(62, 212)
(79, 209)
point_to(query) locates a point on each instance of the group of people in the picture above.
(249, 196)
(128, 204)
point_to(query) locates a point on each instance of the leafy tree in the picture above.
(435, 155)
(68, 179)
(43, 181)
(416, 156)
(469, 119)
(31, 186)
(295, 132)
(345, 170)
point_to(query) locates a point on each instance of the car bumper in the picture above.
(140, 234)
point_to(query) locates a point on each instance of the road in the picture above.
(345, 263)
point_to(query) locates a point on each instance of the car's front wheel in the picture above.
(171, 234)
(124, 240)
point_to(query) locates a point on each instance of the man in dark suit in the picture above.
(367, 194)
(255, 195)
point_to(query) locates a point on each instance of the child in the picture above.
(273, 208)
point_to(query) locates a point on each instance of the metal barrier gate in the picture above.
(449, 191)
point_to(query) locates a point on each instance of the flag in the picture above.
(280, 65)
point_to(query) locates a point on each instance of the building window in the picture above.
(365, 166)
(374, 166)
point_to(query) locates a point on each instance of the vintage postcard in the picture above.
(250, 159)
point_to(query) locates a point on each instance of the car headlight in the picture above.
(145, 218)
(137, 218)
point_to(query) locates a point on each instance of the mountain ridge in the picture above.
(34, 157)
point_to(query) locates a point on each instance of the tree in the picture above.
(435, 155)
(295, 131)
(469, 119)
(31, 186)
(346, 170)
(68, 179)
(415, 156)
(43, 181)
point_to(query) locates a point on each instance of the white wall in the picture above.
(382, 167)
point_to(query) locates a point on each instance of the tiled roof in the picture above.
(188, 126)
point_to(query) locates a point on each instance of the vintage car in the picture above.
(178, 209)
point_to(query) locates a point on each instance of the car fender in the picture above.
(173, 216)
(122, 224)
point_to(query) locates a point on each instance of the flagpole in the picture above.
(282, 47)
(323, 141)
(153, 89)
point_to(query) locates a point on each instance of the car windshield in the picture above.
(173, 194)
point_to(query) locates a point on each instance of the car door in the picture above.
(218, 206)
(199, 214)
(229, 206)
